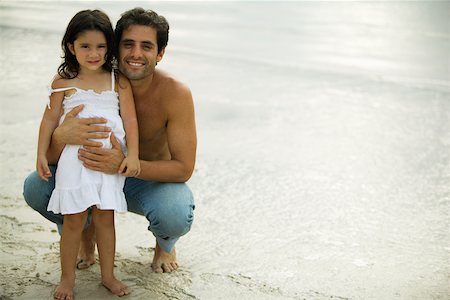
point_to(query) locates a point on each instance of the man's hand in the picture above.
(75, 131)
(101, 159)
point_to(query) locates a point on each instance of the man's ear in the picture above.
(71, 48)
(160, 55)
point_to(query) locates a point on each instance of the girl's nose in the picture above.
(94, 54)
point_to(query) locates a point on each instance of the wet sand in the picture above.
(323, 163)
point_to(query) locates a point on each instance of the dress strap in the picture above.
(112, 81)
(50, 91)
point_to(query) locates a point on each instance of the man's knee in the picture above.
(36, 191)
(172, 224)
(29, 190)
(174, 217)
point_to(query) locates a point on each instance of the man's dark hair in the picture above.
(139, 16)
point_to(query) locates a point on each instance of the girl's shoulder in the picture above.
(59, 82)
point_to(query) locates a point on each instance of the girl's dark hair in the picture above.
(139, 16)
(83, 21)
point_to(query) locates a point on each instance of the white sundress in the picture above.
(78, 188)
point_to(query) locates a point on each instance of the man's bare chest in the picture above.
(152, 121)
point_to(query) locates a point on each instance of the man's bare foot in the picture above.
(65, 290)
(116, 287)
(163, 261)
(86, 257)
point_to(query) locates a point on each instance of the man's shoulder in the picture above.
(170, 85)
(169, 81)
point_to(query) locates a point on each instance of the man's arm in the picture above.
(182, 141)
(181, 138)
(75, 131)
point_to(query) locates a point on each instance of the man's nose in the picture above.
(136, 52)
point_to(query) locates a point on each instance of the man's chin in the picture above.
(133, 75)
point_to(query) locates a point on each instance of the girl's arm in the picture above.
(48, 124)
(130, 165)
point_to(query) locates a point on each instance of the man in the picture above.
(167, 143)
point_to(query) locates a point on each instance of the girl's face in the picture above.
(90, 50)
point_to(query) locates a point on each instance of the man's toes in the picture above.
(167, 268)
(157, 268)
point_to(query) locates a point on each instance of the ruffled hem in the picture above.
(72, 201)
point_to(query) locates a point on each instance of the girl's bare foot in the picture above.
(116, 287)
(65, 290)
(163, 261)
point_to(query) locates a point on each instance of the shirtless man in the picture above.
(167, 143)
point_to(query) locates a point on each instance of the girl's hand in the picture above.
(42, 168)
(130, 167)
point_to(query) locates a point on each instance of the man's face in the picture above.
(138, 52)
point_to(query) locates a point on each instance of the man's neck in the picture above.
(139, 86)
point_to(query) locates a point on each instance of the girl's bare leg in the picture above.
(106, 245)
(69, 244)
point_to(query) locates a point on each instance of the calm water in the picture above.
(323, 161)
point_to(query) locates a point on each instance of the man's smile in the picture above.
(136, 64)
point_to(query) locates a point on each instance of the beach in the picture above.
(323, 161)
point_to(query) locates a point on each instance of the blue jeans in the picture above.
(167, 206)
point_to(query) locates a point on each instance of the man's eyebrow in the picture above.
(145, 43)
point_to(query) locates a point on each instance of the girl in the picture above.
(86, 77)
